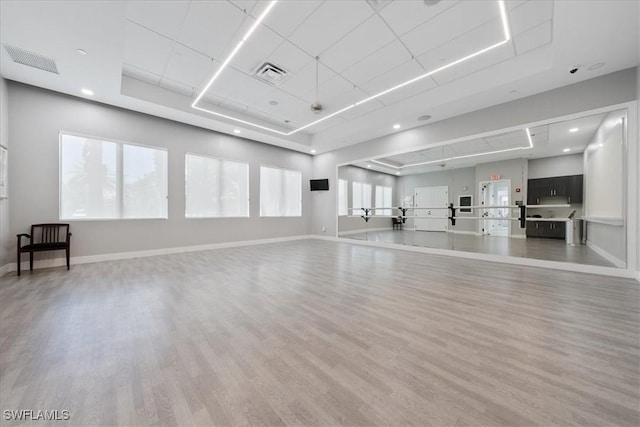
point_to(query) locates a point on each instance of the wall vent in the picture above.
(271, 74)
(31, 59)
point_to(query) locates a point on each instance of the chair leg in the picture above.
(67, 258)
(18, 261)
(30, 260)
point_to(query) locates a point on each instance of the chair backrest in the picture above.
(49, 233)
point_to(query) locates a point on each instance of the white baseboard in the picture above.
(606, 255)
(518, 236)
(59, 262)
(529, 262)
(365, 230)
(472, 233)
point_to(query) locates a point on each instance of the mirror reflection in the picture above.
(553, 192)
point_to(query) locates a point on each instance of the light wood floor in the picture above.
(320, 333)
(538, 248)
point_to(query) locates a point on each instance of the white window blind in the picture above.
(111, 180)
(361, 196)
(383, 200)
(280, 192)
(343, 197)
(216, 188)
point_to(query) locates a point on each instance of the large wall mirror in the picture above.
(553, 192)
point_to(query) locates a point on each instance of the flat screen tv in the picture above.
(319, 184)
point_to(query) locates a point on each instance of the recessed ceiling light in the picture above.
(236, 131)
(313, 151)
(397, 173)
(572, 130)
(368, 166)
(396, 126)
(566, 150)
(273, 102)
(424, 118)
(87, 92)
(81, 51)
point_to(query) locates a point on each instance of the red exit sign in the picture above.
(495, 177)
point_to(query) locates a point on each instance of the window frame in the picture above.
(119, 177)
(346, 197)
(222, 159)
(260, 191)
(381, 210)
(359, 209)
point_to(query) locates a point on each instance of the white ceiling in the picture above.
(156, 56)
(546, 141)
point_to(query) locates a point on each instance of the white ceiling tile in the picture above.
(145, 49)
(210, 27)
(389, 57)
(233, 106)
(255, 51)
(176, 86)
(245, 6)
(453, 22)
(137, 73)
(286, 16)
(304, 81)
(190, 67)
(287, 105)
(328, 24)
(164, 17)
(326, 124)
(360, 43)
(402, 73)
(529, 15)
(473, 41)
(508, 140)
(470, 147)
(289, 57)
(329, 90)
(226, 82)
(362, 110)
(404, 15)
(533, 38)
(408, 91)
(480, 62)
(250, 91)
(512, 4)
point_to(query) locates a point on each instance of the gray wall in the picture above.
(572, 164)
(5, 240)
(36, 117)
(455, 179)
(353, 173)
(609, 238)
(599, 92)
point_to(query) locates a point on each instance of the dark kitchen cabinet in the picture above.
(569, 187)
(547, 229)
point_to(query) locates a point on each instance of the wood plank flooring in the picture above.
(319, 333)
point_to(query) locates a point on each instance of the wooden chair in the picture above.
(45, 237)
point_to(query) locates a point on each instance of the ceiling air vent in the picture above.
(271, 74)
(31, 59)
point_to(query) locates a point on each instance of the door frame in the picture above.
(481, 200)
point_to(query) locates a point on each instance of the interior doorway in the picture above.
(492, 194)
(431, 219)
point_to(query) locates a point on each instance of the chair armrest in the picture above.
(28, 236)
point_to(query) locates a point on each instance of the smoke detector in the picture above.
(271, 74)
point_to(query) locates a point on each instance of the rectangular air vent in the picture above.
(271, 74)
(31, 59)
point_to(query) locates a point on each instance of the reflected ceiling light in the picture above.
(87, 92)
(566, 150)
(396, 126)
(572, 130)
(397, 173)
(386, 164)
(506, 34)
(313, 151)
(368, 166)
(236, 131)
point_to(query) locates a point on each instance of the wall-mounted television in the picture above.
(319, 184)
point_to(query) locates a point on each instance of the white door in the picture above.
(494, 194)
(431, 219)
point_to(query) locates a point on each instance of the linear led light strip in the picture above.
(526, 130)
(507, 37)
